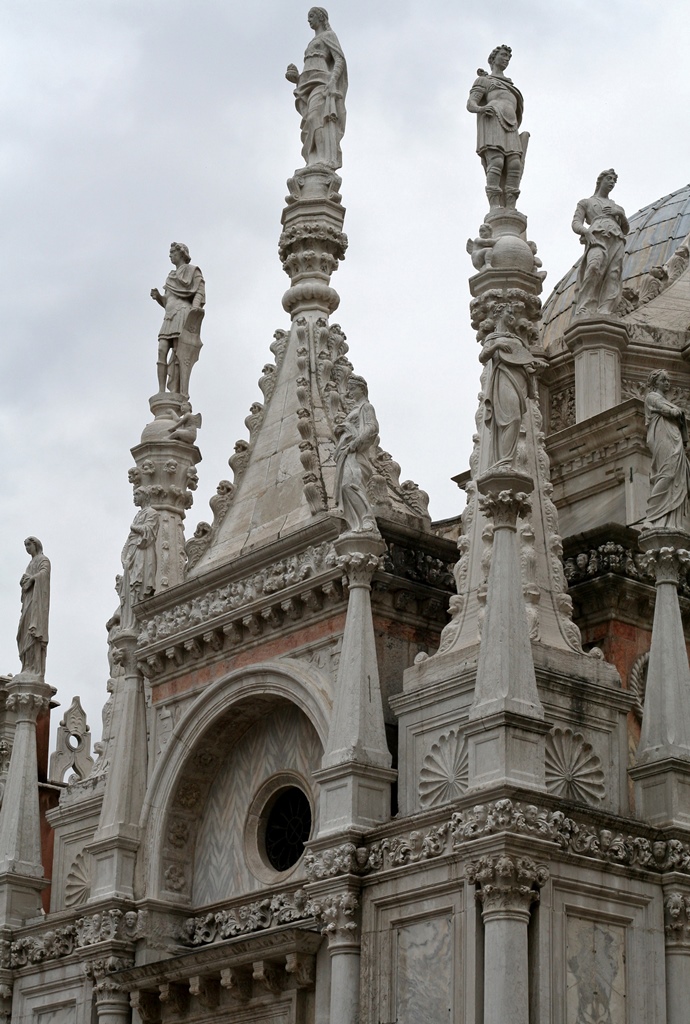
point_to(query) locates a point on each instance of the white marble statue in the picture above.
(669, 473)
(139, 560)
(32, 634)
(509, 386)
(358, 436)
(498, 104)
(602, 227)
(320, 92)
(179, 342)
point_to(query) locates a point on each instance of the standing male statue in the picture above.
(498, 104)
(358, 436)
(179, 342)
(139, 559)
(32, 635)
(600, 274)
(320, 93)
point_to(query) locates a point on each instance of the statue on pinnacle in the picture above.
(498, 104)
(179, 342)
(32, 634)
(320, 92)
(602, 227)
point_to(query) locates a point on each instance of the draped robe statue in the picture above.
(669, 474)
(357, 435)
(32, 634)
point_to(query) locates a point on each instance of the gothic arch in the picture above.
(187, 767)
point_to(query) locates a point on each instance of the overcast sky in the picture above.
(127, 125)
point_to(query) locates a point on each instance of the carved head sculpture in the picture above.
(318, 16)
(357, 387)
(139, 497)
(225, 487)
(181, 248)
(33, 546)
(611, 178)
(658, 380)
(500, 55)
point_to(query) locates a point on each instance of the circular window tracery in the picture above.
(287, 828)
(278, 825)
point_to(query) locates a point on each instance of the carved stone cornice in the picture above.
(508, 885)
(260, 915)
(677, 920)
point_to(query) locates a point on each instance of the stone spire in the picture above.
(285, 474)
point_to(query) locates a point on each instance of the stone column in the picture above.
(356, 775)
(597, 345)
(508, 888)
(336, 910)
(662, 765)
(116, 841)
(677, 928)
(21, 866)
(112, 1004)
(506, 721)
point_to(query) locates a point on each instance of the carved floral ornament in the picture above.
(82, 933)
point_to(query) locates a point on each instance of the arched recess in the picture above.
(195, 752)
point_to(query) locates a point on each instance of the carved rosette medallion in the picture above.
(573, 770)
(445, 771)
(677, 920)
(506, 883)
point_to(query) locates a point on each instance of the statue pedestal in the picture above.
(597, 345)
(662, 766)
(506, 728)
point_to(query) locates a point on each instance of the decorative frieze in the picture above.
(271, 580)
(269, 912)
(482, 820)
(84, 932)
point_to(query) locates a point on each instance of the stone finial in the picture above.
(669, 474)
(498, 104)
(320, 92)
(32, 634)
(602, 227)
(179, 342)
(73, 745)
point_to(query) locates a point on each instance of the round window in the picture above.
(287, 828)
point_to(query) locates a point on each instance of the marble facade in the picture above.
(476, 832)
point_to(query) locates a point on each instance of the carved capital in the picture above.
(100, 972)
(504, 507)
(125, 651)
(337, 915)
(665, 563)
(506, 883)
(677, 919)
(28, 705)
(359, 568)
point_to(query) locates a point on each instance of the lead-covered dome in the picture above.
(656, 231)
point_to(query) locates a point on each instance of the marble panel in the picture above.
(423, 970)
(595, 966)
